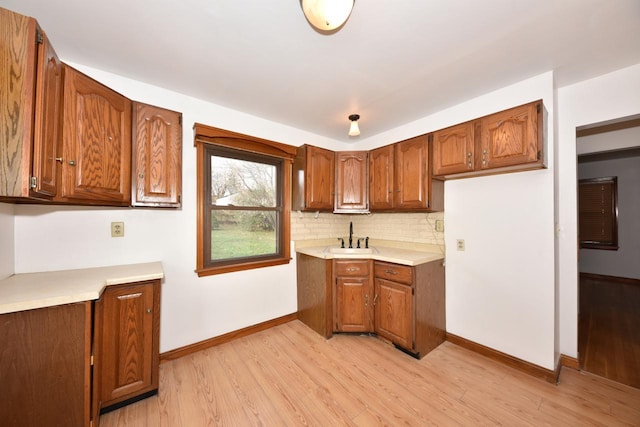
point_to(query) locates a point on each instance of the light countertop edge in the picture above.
(27, 291)
(381, 253)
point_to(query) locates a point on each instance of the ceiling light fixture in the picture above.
(327, 15)
(354, 130)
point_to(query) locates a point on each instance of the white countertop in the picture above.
(380, 253)
(44, 289)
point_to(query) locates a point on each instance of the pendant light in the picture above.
(327, 15)
(354, 130)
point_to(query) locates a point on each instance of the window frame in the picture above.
(250, 148)
(610, 211)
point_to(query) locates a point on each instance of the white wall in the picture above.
(601, 99)
(193, 309)
(7, 240)
(501, 290)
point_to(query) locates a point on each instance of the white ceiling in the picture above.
(392, 63)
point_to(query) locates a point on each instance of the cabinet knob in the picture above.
(148, 311)
(59, 159)
(72, 162)
(140, 175)
(366, 300)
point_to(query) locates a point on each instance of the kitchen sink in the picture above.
(335, 250)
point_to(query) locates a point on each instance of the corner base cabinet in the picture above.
(45, 366)
(127, 319)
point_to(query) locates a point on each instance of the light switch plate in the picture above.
(117, 229)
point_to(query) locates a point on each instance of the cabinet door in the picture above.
(511, 137)
(354, 303)
(96, 138)
(381, 178)
(18, 53)
(352, 170)
(128, 341)
(412, 173)
(45, 141)
(319, 178)
(157, 149)
(453, 149)
(394, 312)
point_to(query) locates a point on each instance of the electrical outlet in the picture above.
(460, 244)
(117, 229)
(439, 225)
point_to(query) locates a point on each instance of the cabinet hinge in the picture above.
(539, 154)
(91, 360)
(39, 37)
(34, 182)
(413, 291)
(430, 138)
(538, 106)
(180, 119)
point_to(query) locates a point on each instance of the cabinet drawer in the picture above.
(394, 272)
(351, 267)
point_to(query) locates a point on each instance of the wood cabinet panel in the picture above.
(45, 366)
(128, 341)
(511, 137)
(355, 267)
(396, 272)
(315, 293)
(354, 303)
(453, 149)
(157, 164)
(394, 312)
(381, 178)
(352, 184)
(96, 138)
(412, 172)
(313, 179)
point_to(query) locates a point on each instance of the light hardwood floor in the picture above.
(290, 376)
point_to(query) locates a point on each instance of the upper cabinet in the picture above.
(29, 101)
(352, 191)
(400, 180)
(157, 157)
(96, 142)
(313, 179)
(510, 140)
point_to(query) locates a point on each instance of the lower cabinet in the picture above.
(126, 344)
(399, 303)
(353, 302)
(45, 366)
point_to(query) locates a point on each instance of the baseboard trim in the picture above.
(569, 362)
(221, 339)
(513, 362)
(625, 280)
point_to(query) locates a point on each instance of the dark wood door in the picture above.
(45, 366)
(381, 178)
(96, 138)
(157, 149)
(453, 149)
(511, 137)
(319, 178)
(45, 142)
(352, 192)
(394, 312)
(128, 341)
(412, 173)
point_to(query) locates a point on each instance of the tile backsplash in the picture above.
(408, 227)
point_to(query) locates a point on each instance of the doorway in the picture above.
(609, 278)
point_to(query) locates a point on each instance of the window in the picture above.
(244, 202)
(598, 213)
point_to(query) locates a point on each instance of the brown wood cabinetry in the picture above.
(313, 179)
(353, 302)
(315, 293)
(127, 342)
(400, 178)
(157, 157)
(96, 142)
(45, 366)
(510, 140)
(352, 181)
(410, 305)
(29, 101)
